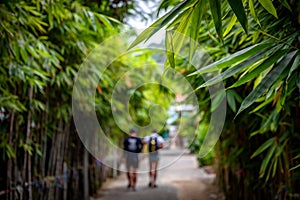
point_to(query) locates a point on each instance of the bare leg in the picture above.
(129, 178)
(134, 178)
(155, 164)
(150, 174)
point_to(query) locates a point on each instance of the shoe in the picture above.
(155, 186)
(128, 186)
(150, 184)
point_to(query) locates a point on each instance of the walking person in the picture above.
(132, 146)
(154, 142)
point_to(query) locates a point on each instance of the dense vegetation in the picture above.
(255, 48)
(43, 44)
(254, 45)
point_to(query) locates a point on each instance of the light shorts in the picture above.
(153, 156)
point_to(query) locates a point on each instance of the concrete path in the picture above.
(179, 178)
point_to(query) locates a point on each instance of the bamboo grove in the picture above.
(254, 45)
(42, 46)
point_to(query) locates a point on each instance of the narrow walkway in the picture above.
(179, 178)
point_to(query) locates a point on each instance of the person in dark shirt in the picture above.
(132, 146)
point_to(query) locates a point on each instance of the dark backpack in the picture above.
(153, 145)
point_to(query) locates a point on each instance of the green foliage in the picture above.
(43, 44)
(256, 57)
(197, 143)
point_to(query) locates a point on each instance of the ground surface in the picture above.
(179, 178)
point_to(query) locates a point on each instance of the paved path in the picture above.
(179, 178)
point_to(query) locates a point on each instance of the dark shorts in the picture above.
(132, 162)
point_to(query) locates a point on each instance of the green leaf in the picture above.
(270, 78)
(275, 167)
(266, 102)
(286, 4)
(170, 49)
(105, 20)
(295, 66)
(234, 58)
(263, 147)
(296, 157)
(217, 99)
(268, 5)
(252, 11)
(215, 7)
(239, 11)
(179, 36)
(269, 169)
(10, 151)
(161, 22)
(231, 100)
(296, 167)
(32, 51)
(24, 55)
(233, 70)
(262, 67)
(266, 160)
(230, 25)
(196, 19)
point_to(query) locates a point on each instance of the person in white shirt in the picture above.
(154, 142)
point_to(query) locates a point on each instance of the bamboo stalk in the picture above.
(9, 162)
(85, 175)
(58, 163)
(27, 166)
(65, 169)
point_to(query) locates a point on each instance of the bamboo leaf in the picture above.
(269, 168)
(252, 11)
(196, 19)
(230, 25)
(24, 55)
(295, 66)
(263, 147)
(239, 11)
(286, 4)
(275, 166)
(281, 148)
(262, 67)
(161, 22)
(268, 5)
(296, 157)
(234, 58)
(233, 70)
(231, 100)
(270, 78)
(296, 167)
(266, 102)
(170, 49)
(180, 33)
(10, 151)
(217, 100)
(266, 160)
(215, 7)
(104, 19)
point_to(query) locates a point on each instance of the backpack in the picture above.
(153, 144)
